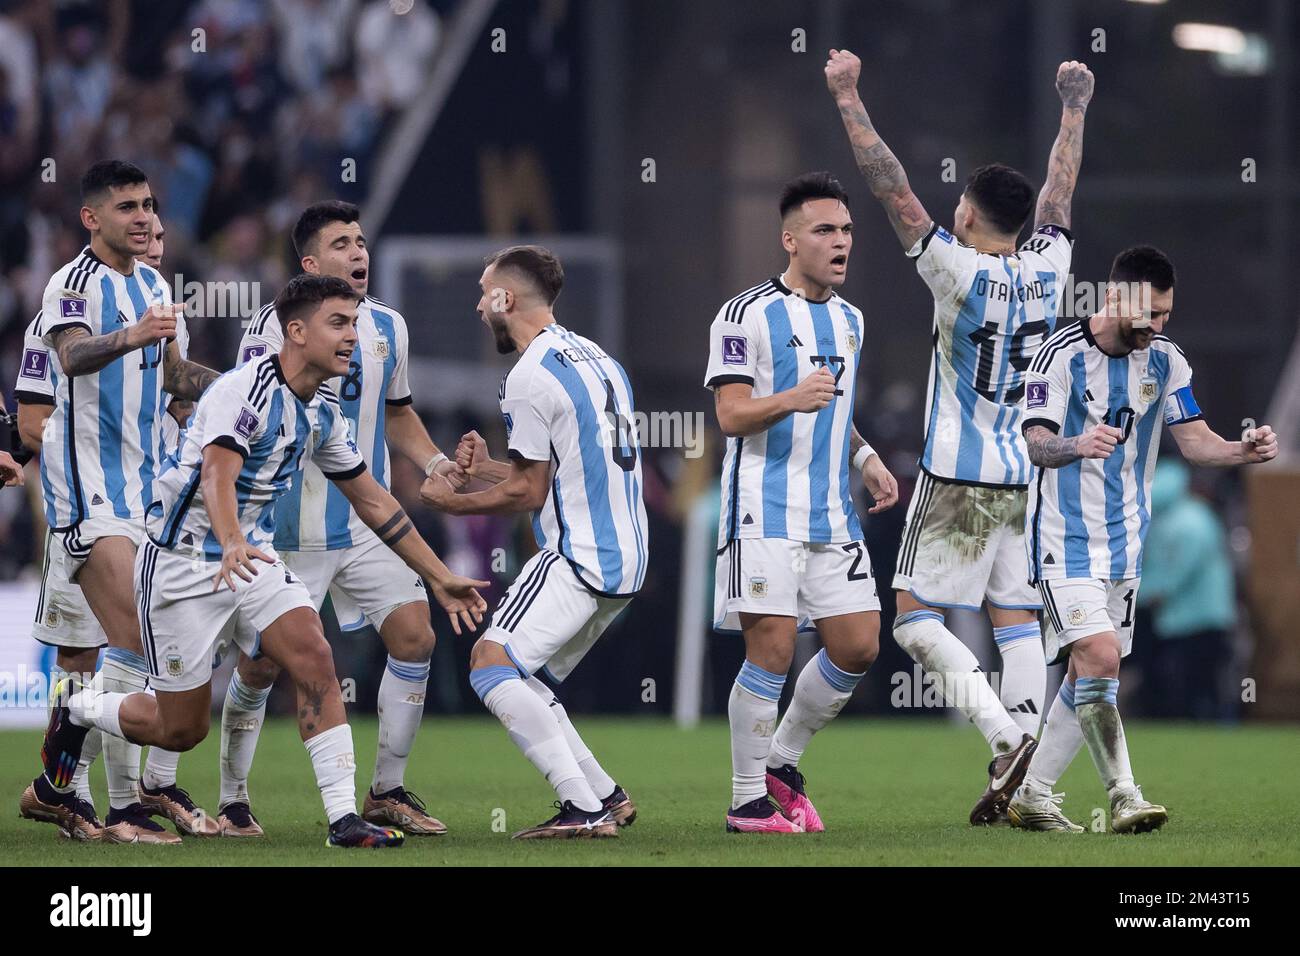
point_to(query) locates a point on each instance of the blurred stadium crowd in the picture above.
(238, 140)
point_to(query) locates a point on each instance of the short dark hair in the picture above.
(1003, 195)
(1144, 264)
(538, 263)
(308, 291)
(109, 174)
(316, 217)
(811, 186)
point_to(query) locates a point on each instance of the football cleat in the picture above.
(572, 823)
(61, 747)
(237, 820)
(1006, 773)
(401, 808)
(785, 785)
(134, 825)
(1131, 813)
(175, 804)
(759, 816)
(41, 802)
(620, 807)
(1039, 810)
(352, 831)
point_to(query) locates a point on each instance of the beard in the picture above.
(505, 344)
(1137, 339)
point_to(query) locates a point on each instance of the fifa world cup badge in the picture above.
(381, 347)
(758, 587)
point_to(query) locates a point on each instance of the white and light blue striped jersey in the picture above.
(169, 432)
(1089, 518)
(792, 480)
(991, 314)
(314, 515)
(39, 372)
(100, 453)
(567, 401)
(252, 411)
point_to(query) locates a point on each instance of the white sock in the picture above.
(1059, 744)
(751, 711)
(124, 672)
(1024, 674)
(242, 717)
(602, 784)
(90, 749)
(530, 725)
(1103, 731)
(819, 693)
(958, 676)
(95, 708)
(334, 760)
(401, 707)
(160, 768)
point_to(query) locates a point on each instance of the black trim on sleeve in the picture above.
(1047, 423)
(63, 326)
(344, 475)
(399, 401)
(24, 397)
(719, 380)
(520, 456)
(925, 240)
(1058, 227)
(226, 441)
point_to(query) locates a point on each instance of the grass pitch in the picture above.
(891, 792)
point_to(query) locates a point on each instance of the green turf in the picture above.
(891, 792)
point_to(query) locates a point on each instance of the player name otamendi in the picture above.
(999, 290)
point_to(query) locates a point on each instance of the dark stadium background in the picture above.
(549, 139)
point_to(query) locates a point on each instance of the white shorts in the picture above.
(964, 545)
(182, 620)
(81, 537)
(549, 619)
(367, 580)
(1080, 607)
(63, 618)
(791, 579)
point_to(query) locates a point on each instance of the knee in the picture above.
(1097, 656)
(487, 653)
(412, 644)
(181, 739)
(259, 673)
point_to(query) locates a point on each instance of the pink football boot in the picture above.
(785, 786)
(759, 816)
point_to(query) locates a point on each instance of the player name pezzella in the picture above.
(76, 909)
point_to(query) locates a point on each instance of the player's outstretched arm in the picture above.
(524, 489)
(1074, 83)
(383, 515)
(1048, 450)
(221, 466)
(81, 353)
(404, 431)
(1201, 446)
(185, 379)
(879, 166)
(741, 414)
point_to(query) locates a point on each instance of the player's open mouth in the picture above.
(139, 236)
(839, 260)
(359, 275)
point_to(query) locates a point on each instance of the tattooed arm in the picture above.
(1074, 83)
(1047, 450)
(381, 512)
(881, 169)
(185, 379)
(81, 353)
